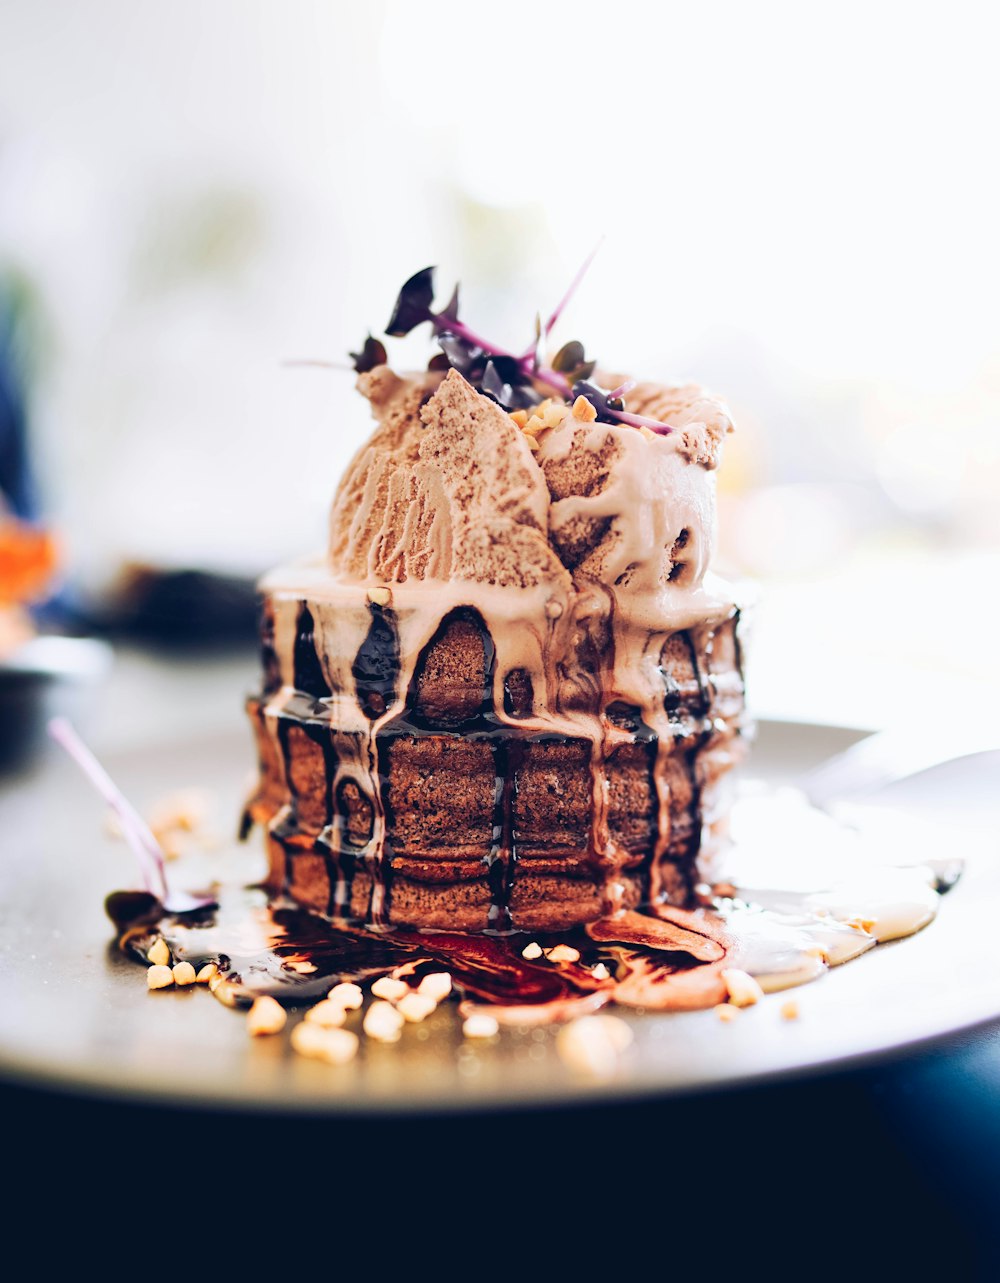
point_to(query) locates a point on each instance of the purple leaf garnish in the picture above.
(571, 360)
(450, 313)
(413, 306)
(371, 354)
(135, 830)
(493, 385)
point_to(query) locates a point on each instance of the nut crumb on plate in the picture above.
(416, 1007)
(159, 976)
(335, 1046)
(390, 989)
(480, 1025)
(383, 1022)
(593, 1045)
(328, 1013)
(266, 1016)
(563, 953)
(347, 994)
(436, 985)
(184, 973)
(742, 988)
(159, 952)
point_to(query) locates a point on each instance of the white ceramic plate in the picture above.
(76, 1015)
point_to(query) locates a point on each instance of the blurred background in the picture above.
(800, 212)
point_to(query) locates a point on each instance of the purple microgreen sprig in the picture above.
(515, 382)
(135, 830)
(504, 376)
(611, 408)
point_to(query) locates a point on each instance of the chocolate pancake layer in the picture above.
(453, 804)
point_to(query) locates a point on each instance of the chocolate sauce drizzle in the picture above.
(348, 842)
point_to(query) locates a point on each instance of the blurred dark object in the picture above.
(189, 609)
(16, 480)
(42, 676)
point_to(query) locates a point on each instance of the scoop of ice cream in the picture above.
(450, 487)
(447, 488)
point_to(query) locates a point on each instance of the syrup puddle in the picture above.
(802, 893)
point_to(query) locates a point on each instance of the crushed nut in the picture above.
(552, 412)
(583, 411)
(790, 1010)
(159, 976)
(159, 952)
(593, 1044)
(563, 953)
(742, 988)
(436, 986)
(393, 990)
(383, 1022)
(480, 1025)
(416, 1007)
(215, 981)
(266, 1016)
(184, 974)
(329, 1014)
(726, 1013)
(600, 972)
(348, 995)
(531, 951)
(553, 608)
(379, 596)
(335, 1046)
(208, 972)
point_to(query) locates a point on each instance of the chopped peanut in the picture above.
(416, 1007)
(552, 411)
(383, 1022)
(563, 953)
(348, 995)
(393, 990)
(335, 1046)
(593, 1044)
(436, 986)
(743, 989)
(329, 1014)
(600, 972)
(583, 411)
(531, 951)
(726, 1012)
(266, 1016)
(208, 972)
(379, 596)
(480, 1025)
(790, 1010)
(184, 974)
(520, 417)
(159, 976)
(159, 952)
